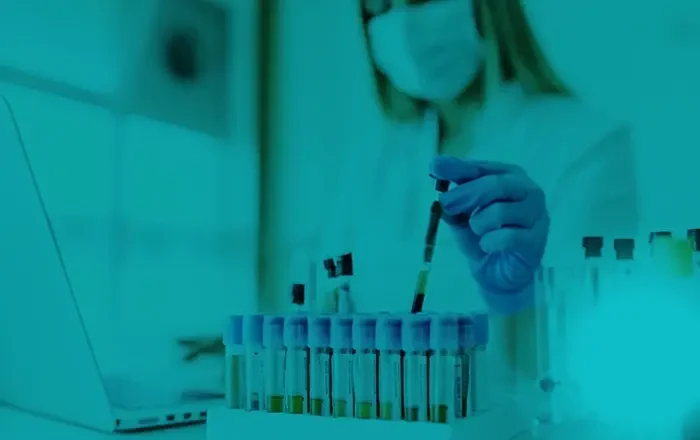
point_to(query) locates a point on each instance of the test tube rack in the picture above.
(499, 423)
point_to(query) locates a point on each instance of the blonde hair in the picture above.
(512, 54)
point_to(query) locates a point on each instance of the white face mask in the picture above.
(430, 51)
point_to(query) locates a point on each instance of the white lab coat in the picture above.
(584, 163)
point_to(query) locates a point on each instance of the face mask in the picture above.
(430, 51)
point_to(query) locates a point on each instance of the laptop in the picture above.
(47, 363)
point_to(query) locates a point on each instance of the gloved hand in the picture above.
(500, 220)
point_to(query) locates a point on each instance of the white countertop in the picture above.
(16, 425)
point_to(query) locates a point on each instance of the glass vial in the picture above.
(390, 367)
(235, 379)
(273, 345)
(254, 356)
(296, 364)
(445, 370)
(342, 366)
(321, 357)
(365, 367)
(416, 343)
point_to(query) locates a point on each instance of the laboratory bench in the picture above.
(17, 425)
(501, 424)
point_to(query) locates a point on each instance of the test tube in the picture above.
(593, 252)
(465, 332)
(345, 269)
(477, 389)
(342, 361)
(235, 363)
(671, 256)
(445, 370)
(254, 356)
(416, 343)
(624, 256)
(273, 344)
(320, 365)
(390, 367)
(331, 290)
(299, 297)
(296, 364)
(365, 367)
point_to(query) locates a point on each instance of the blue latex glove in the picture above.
(500, 220)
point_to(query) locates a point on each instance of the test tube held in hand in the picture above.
(296, 364)
(254, 356)
(343, 359)
(364, 329)
(320, 365)
(273, 344)
(234, 378)
(390, 367)
(416, 343)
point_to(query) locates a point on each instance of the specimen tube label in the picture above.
(256, 385)
(296, 381)
(390, 387)
(235, 385)
(320, 382)
(460, 398)
(417, 389)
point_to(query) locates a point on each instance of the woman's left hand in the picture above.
(500, 220)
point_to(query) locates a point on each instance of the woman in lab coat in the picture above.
(510, 108)
(470, 82)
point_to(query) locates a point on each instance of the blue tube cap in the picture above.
(389, 332)
(481, 329)
(465, 330)
(296, 331)
(364, 332)
(319, 331)
(416, 333)
(253, 329)
(341, 332)
(273, 331)
(444, 333)
(233, 333)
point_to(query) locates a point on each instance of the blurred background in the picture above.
(183, 151)
(186, 151)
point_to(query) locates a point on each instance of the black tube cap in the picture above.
(655, 235)
(345, 265)
(593, 247)
(331, 269)
(436, 208)
(694, 238)
(298, 294)
(624, 248)
(442, 186)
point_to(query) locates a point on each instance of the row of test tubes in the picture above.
(415, 368)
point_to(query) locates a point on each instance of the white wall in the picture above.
(324, 109)
(326, 105)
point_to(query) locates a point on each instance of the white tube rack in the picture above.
(501, 423)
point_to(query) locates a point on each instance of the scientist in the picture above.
(469, 98)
